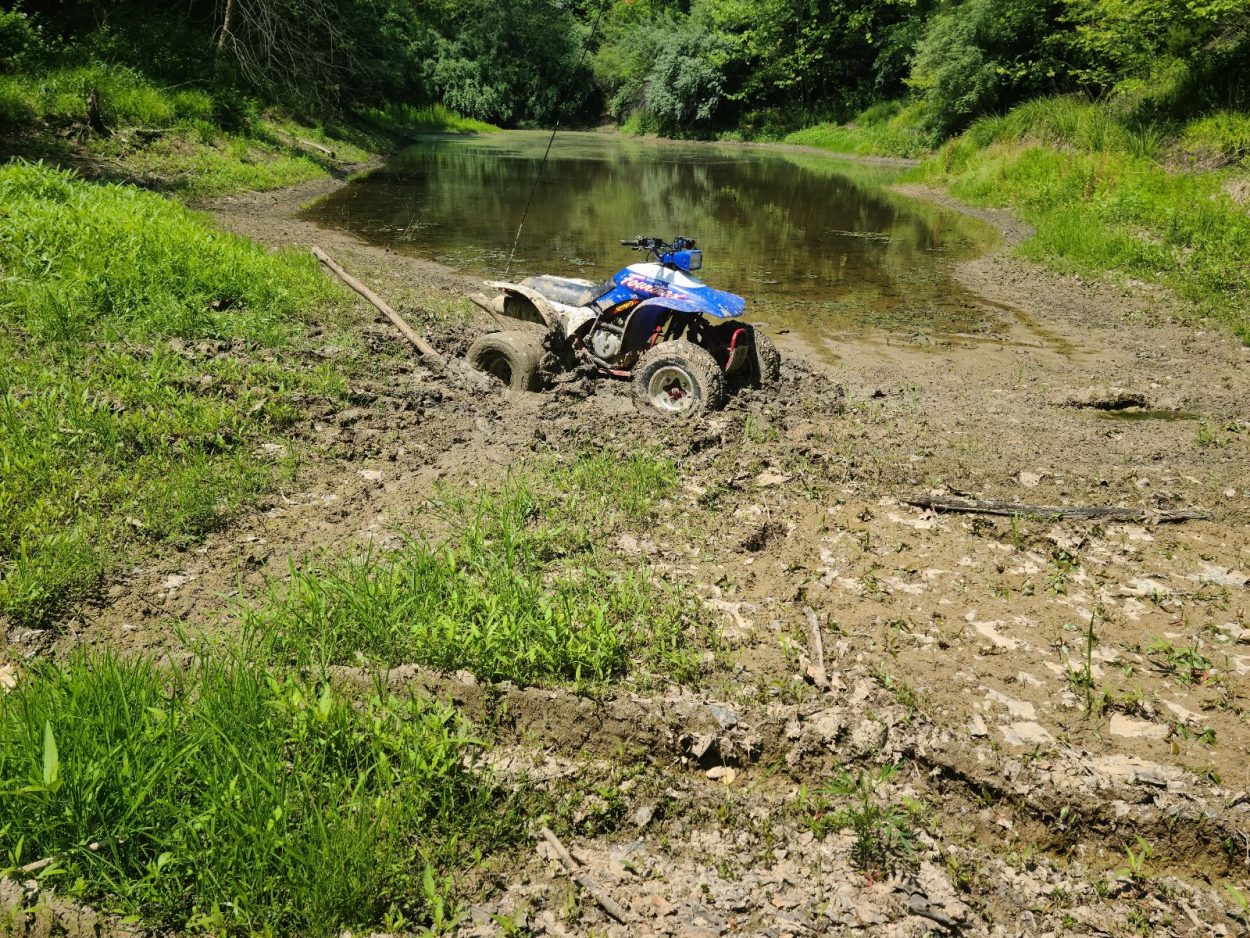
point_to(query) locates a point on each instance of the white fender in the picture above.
(564, 319)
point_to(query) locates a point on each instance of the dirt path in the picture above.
(1049, 692)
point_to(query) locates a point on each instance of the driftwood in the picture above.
(1057, 512)
(815, 670)
(606, 902)
(426, 350)
(300, 141)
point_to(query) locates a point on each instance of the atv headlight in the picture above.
(689, 260)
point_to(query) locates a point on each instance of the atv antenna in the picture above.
(550, 140)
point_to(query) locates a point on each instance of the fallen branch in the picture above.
(1057, 512)
(606, 902)
(426, 350)
(815, 670)
(300, 141)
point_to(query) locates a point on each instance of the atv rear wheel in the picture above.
(763, 361)
(679, 379)
(512, 357)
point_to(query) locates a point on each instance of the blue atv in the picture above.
(678, 339)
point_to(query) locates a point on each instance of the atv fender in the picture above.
(640, 325)
(528, 305)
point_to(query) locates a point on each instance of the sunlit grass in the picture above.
(110, 431)
(228, 799)
(433, 118)
(517, 588)
(1101, 202)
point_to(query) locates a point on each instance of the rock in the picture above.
(1131, 728)
(1026, 733)
(977, 727)
(371, 475)
(642, 817)
(726, 717)
(1030, 480)
(769, 478)
(1102, 397)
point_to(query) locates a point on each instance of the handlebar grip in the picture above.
(630, 244)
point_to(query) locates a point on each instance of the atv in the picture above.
(677, 338)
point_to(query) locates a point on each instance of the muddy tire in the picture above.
(763, 361)
(679, 379)
(512, 357)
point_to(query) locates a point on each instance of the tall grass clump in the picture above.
(1092, 185)
(112, 429)
(886, 129)
(515, 590)
(433, 118)
(229, 800)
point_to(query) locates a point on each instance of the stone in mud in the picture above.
(1102, 397)
(1131, 728)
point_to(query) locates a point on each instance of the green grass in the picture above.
(886, 129)
(433, 118)
(171, 139)
(226, 799)
(1102, 202)
(517, 589)
(122, 417)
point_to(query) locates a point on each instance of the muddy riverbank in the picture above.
(1051, 714)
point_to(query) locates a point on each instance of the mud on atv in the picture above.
(677, 338)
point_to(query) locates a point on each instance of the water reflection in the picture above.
(813, 243)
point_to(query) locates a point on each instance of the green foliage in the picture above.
(109, 431)
(982, 55)
(883, 831)
(228, 799)
(508, 63)
(434, 118)
(885, 129)
(1100, 202)
(517, 590)
(18, 38)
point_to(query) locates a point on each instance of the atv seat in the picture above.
(570, 291)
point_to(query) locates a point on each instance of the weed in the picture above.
(230, 799)
(883, 832)
(1188, 664)
(514, 592)
(1135, 860)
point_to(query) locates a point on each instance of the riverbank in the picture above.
(1012, 703)
(1107, 196)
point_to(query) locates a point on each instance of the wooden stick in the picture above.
(606, 902)
(427, 351)
(1060, 512)
(815, 650)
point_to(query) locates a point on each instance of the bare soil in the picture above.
(1050, 691)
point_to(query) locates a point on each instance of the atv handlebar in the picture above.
(658, 246)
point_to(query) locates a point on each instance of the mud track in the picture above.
(1033, 749)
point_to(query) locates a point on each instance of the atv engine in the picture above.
(604, 343)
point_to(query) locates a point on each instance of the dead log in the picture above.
(1053, 512)
(606, 902)
(428, 352)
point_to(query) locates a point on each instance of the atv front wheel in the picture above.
(512, 357)
(679, 379)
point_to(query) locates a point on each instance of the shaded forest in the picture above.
(702, 67)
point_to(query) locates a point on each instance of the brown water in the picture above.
(815, 244)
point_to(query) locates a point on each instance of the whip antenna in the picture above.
(550, 140)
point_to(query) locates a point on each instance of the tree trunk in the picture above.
(226, 19)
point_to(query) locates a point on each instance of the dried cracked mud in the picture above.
(1059, 707)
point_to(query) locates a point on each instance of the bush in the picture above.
(1223, 137)
(982, 56)
(18, 39)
